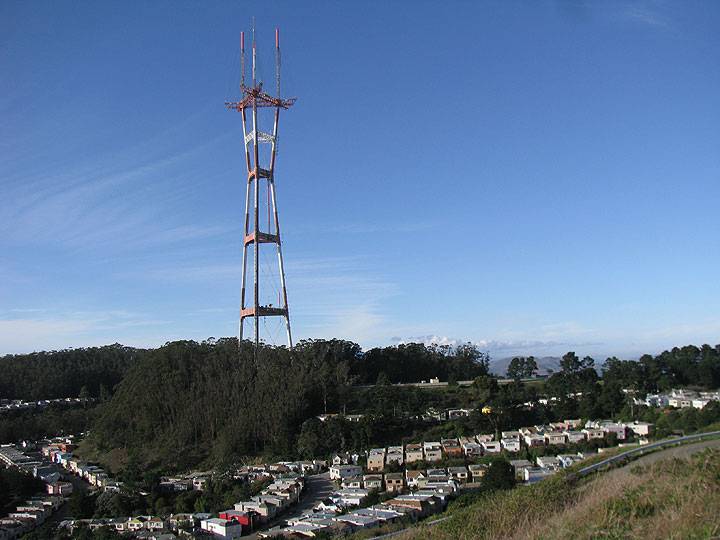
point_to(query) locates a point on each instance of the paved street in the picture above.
(317, 488)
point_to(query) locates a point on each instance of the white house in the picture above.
(491, 447)
(373, 481)
(433, 451)
(534, 439)
(511, 445)
(574, 437)
(640, 428)
(554, 437)
(472, 449)
(396, 454)
(349, 497)
(459, 473)
(593, 433)
(338, 472)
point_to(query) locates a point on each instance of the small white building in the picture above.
(593, 433)
(642, 429)
(491, 447)
(548, 462)
(510, 444)
(222, 528)
(535, 474)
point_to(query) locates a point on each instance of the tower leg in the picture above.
(256, 227)
(244, 261)
(271, 185)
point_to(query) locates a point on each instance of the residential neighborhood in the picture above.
(372, 487)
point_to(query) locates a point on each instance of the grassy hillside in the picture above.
(671, 498)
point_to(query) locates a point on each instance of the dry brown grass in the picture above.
(669, 499)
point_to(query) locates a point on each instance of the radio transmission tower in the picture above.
(260, 195)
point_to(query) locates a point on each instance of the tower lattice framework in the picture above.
(260, 147)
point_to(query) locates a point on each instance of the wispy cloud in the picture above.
(648, 14)
(102, 200)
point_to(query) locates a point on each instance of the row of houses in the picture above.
(19, 405)
(35, 511)
(554, 434)
(273, 500)
(544, 466)
(248, 473)
(147, 527)
(231, 523)
(680, 399)
(56, 452)
(343, 511)
(409, 506)
(27, 516)
(351, 477)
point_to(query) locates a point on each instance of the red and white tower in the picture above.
(269, 298)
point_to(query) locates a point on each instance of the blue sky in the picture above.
(536, 177)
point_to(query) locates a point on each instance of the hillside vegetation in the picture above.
(59, 374)
(671, 498)
(188, 403)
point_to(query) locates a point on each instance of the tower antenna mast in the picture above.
(254, 99)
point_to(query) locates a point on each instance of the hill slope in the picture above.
(666, 498)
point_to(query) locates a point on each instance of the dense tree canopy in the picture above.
(187, 400)
(415, 362)
(60, 374)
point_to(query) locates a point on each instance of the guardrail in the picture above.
(646, 449)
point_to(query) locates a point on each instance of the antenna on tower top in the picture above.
(253, 51)
(242, 60)
(277, 60)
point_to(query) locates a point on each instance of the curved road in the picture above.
(619, 458)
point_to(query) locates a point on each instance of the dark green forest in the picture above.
(51, 421)
(187, 401)
(60, 374)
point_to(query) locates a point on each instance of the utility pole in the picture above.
(260, 147)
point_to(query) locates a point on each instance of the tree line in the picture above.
(60, 374)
